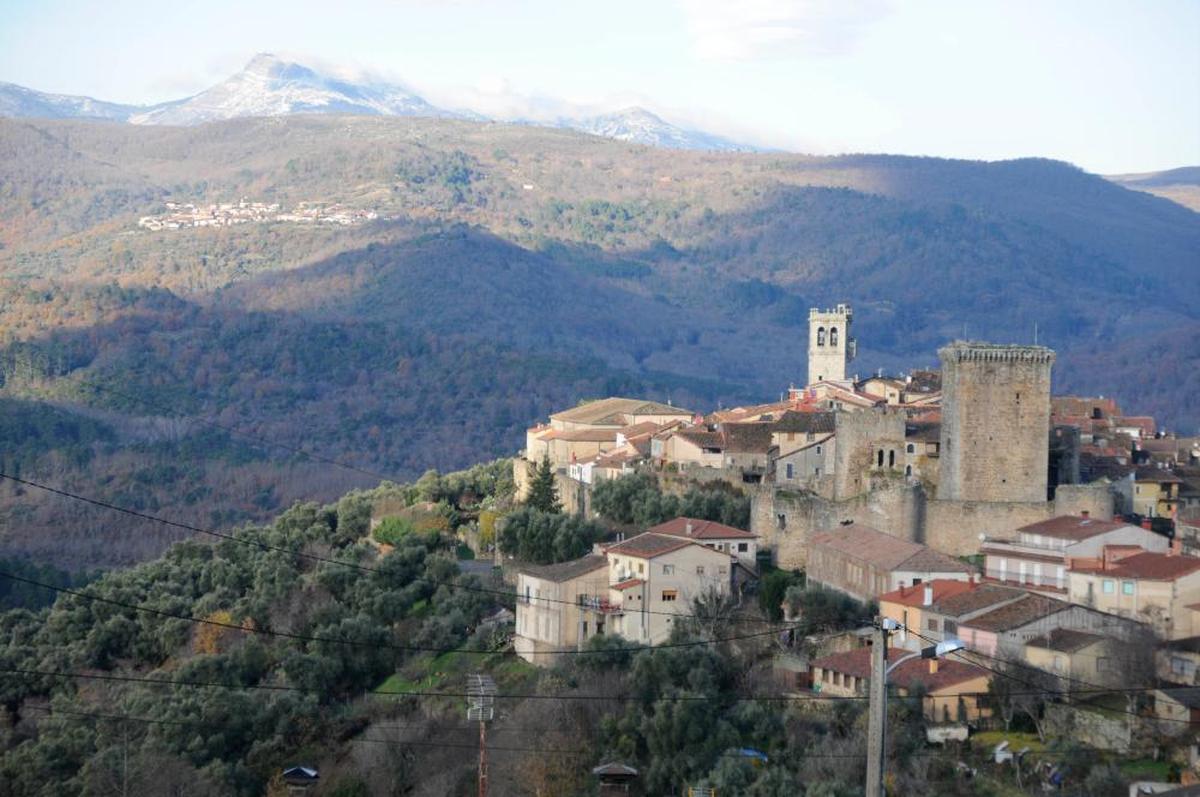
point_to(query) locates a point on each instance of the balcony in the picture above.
(595, 603)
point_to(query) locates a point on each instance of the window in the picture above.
(641, 568)
(879, 458)
(669, 595)
(722, 570)
(699, 570)
(789, 471)
(816, 471)
(892, 458)
(833, 336)
(820, 336)
(1058, 660)
(908, 470)
(743, 547)
(950, 627)
(1108, 586)
(932, 624)
(1126, 587)
(668, 570)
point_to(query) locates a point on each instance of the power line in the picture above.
(314, 557)
(369, 644)
(1094, 688)
(781, 698)
(56, 710)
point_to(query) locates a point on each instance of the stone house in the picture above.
(865, 563)
(1005, 630)
(1178, 709)
(550, 616)
(922, 608)
(1042, 553)
(952, 688)
(1155, 492)
(737, 543)
(1076, 656)
(696, 446)
(652, 577)
(1156, 588)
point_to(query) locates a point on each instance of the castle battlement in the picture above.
(976, 352)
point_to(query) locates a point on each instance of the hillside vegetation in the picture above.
(513, 270)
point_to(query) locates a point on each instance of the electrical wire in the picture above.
(363, 643)
(325, 560)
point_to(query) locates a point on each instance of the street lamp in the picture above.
(880, 670)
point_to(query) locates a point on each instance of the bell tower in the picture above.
(830, 346)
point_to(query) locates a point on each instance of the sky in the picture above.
(1110, 85)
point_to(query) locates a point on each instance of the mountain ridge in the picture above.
(271, 86)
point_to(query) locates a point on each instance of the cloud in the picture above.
(741, 30)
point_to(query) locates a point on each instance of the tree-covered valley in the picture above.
(212, 373)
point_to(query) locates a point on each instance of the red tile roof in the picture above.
(915, 595)
(1072, 527)
(865, 544)
(647, 546)
(1149, 566)
(909, 674)
(700, 530)
(628, 583)
(1029, 608)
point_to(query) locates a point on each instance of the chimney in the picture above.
(928, 598)
(688, 528)
(1085, 514)
(933, 666)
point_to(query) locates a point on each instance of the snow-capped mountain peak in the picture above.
(270, 86)
(639, 126)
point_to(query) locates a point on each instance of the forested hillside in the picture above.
(511, 270)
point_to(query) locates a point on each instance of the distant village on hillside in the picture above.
(182, 215)
(965, 502)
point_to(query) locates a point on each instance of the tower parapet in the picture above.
(995, 422)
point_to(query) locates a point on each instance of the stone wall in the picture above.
(1103, 731)
(954, 527)
(861, 437)
(995, 437)
(784, 519)
(1098, 499)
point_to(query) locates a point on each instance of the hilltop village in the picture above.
(1053, 532)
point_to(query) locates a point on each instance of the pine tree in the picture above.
(543, 495)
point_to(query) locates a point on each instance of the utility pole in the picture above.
(878, 711)
(481, 707)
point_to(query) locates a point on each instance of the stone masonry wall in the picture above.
(891, 506)
(995, 422)
(860, 437)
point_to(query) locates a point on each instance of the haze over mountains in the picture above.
(270, 86)
(511, 270)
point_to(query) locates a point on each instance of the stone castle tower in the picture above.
(995, 434)
(830, 346)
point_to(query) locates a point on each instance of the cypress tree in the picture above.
(543, 495)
